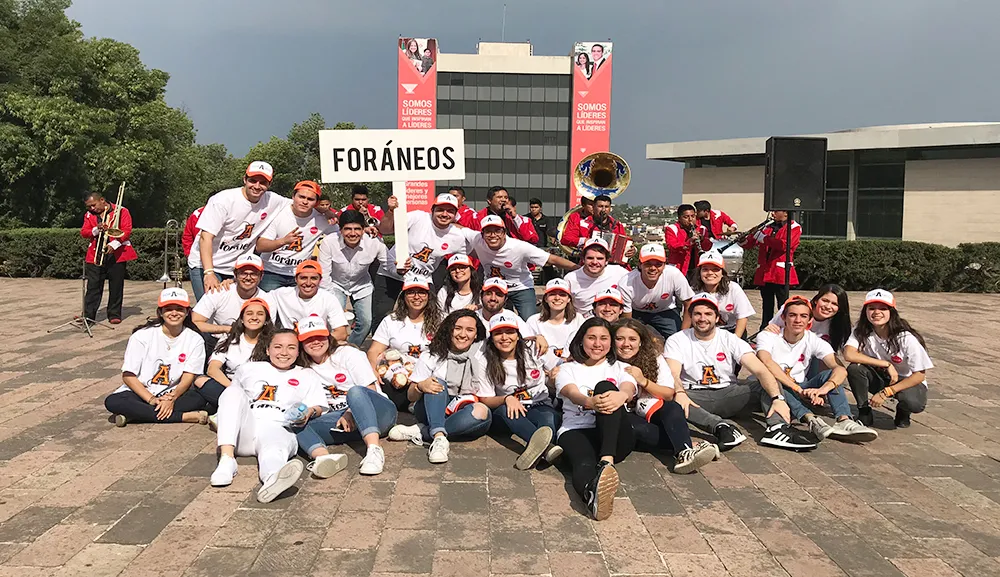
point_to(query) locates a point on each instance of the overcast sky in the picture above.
(248, 69)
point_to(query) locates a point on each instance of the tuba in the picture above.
(598, 173)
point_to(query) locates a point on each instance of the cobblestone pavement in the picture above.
(81, 497)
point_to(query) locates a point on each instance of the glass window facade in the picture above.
(516, 134)
(833, 222)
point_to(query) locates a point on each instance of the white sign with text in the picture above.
(391, 155)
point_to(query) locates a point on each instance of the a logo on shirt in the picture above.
(708, 376)
(247, 230)
(295, 245)
(649, 307)
(313, 230)
(263, 215)
(825, 337)
(720, 356)
(897, 359)
(424, 254)
(730, 307)
(182, 357)
(335, 392)
(508, 264)
(664, 296)
(162, 376)
(788, 370)
(535, 373)
(495, 272)
(522, 394)
(293, 382)
(444, 246)
(612, 381)
(802, 358)
(340, 378)
(267, 393)
(557, 352)
(413, 350)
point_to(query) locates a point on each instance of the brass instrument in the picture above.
(740, 237)
(113, 230)
(599, 173)
(172, 246)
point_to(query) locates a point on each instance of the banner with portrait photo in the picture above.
(417, 103)
(591, 104)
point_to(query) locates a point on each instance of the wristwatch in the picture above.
(778, 397)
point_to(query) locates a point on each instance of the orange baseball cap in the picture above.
(260, 168)
(308, 266)
(310, 185)
(255, 301)
(173, 296)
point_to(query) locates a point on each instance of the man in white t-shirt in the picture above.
(306, 299)
(705, 361)
(594, 276)
(494, 298)
(609, 304)
(292, 235)
(656, 293)
(788, 357)
(510, 259)
(216, 312)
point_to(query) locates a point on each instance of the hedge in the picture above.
(857, 265)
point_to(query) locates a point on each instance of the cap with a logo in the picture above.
(310, 185)
(652, 251)
(414, 280)
(880, 296)
(706, 299)
(308, 266)
(610, 293)
(255, 301)
(492, 220)
(448, 199)
(312, 326)
(459, 260)
(251, 260)
(503, 320)
(260, 168)
(495, 282)
(173, 296)
(557, 284)
(796, 300)
(712, 257)
(596, 241)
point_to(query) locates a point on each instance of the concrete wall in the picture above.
(505, 57)
(950, 201)
(737, 191)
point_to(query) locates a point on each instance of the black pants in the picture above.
(137, 410)
(210, 393)
(867, 380)
(769, 293)
(384, 298)
(114, 273)
(584, 447)
(397, 396)
(667, 430)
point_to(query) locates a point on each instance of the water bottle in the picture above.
(295, 414)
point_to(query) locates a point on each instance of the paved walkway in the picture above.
(81, 497)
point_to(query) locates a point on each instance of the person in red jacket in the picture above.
(686, 240)
(119, 252)
(770, 276)
(717, 222)
(579, 225)
(190, 230)
(466, 215)
(498, 203)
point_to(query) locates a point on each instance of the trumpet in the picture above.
(171, 238)
(113, 230)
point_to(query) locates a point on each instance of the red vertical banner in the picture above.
(417, 95)
(591, 105)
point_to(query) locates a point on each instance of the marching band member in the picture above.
(609, 305)
(510, 259)
(466, 215)
(706, 361)
(656, 294)
(190, 230)
(295, 303)
(162, 359)
(594, 275)
(557, 323)
(252, 420)
(734, 306)
(831, 316)
(579, 225)
(717, 223)
(292, 235)
(686, 240)
(658, 422)
(599, 220)
(519, 398)
(888, 359)
(216, 311)
(789, 355)
(595, 432)
(119, 252)
(358, 407)
(360, 204)
(498, 205)
(770, 243)
(230, 224)
(445, 388)
(346, 258)
(462, 288)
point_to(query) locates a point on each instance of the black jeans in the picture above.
(867, 380)
(584, 447)
(397, 396)
(210, 393)
(387, 290)
(667, 429)
(114, 273)
(769, 293)
(137, 410)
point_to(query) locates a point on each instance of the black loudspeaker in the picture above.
(795, 174)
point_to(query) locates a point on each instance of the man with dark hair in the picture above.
(498, 203)
(359, 202)
(578, 227)
(599, 221)
(544, 227)
(117, 252)
(597, 55)
(686, 240)
(466, 216)
(716, 222)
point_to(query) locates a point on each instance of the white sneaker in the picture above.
(553, 453)
(438, 453)
(279, 482)
(693, 458)
(224, 472)
(213, 423)
(326, 466)
(374, 461)
(410, 433)
(820, 428)
(853, 432)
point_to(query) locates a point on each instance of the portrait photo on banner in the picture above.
(421, 52)
(589, 57)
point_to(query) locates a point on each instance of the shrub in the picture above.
(59, 253)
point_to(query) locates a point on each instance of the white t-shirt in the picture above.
(532, 391)
(558, 337)
(459, 301)
(347, 367)
(159, 362)
(911, 356)
(794, 358)
(284, 260)
(234, 357)
(273, 391)
(404, 336)
(526, 331)
(821, 328)
(733, 306)
(510, 262)
(429, 366)
(428, 244)
(586, 378)
(236, 225)
(292, 309)
(345, 269)
(584, 288)
(223, 307)
(707, 364)
(666, 291)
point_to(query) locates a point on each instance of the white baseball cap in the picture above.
(495, 282)
(250, 260)
(652, 251)
(596, 241)
(712, 257)
(557, 284)
(459, 260)
(503, 320)
(260, 168)
(446, 198)
(173, 296)
(492, 220)
(414, 280)
(880, 296)
(706, 298)
(610, 293)
(312, 326)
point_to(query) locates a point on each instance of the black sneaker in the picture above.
(785, 437)
(600, 492)
(728, 436)
(866, 417)
(902, 419)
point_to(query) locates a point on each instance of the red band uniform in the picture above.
(770, 276)
(680, 251)
(113, 268)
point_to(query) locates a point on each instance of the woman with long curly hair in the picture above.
(462, 287)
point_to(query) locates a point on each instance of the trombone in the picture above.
(113, 231)
(172, 245)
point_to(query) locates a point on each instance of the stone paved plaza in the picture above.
(81, 497)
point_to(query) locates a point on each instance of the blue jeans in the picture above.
(271, 281)
(198, 281)
(462, 425)
(665, 322)
(837, 398)
(538, 416)
(372, 413)
(523, 301)
(362, 308)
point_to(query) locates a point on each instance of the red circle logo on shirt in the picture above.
(664, 296)
(508, 264)
(802, 358)
(535, 373)
(897, 359)
(341, 378)
(730, 307)
(614, 286)
(263, 215)
(721, 356)
(313, 230)
(181, 357)
(825, 337)
(444, 246)
(612, 381)
(293, 382)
